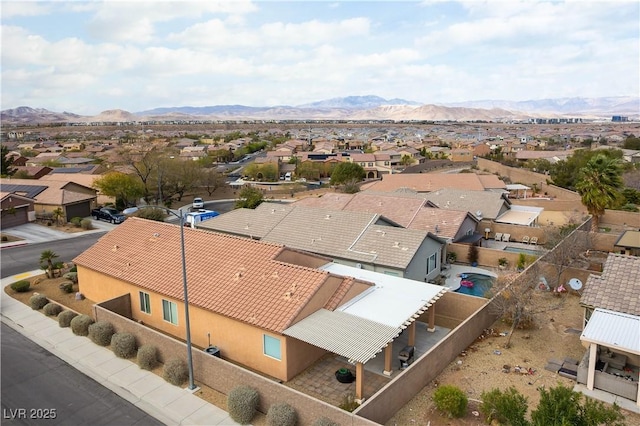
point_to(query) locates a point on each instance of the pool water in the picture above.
(522, 250)
(481, 284)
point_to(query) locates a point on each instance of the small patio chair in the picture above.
(525, 239)
(498, 236)
(506, 237)
(534, 240)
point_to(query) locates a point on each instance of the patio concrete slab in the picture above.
(625, 404)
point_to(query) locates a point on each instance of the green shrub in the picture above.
(147, 357)
(561, 405)
(349, 402)
(86, 224)
(71, 276)
(80, 325)
(38, 301)
(21, 286)
(100, 333)
(52, 309)
(151, 214)
(323, 421)
(74, 269)
(451, 400)
(508, 407)
(242, 404)
(175, 371)
(124, 345)
(65, 317)
(281, 414)
(75, 221)
(66, 286)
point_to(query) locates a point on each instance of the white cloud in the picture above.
(11, 9)
(217, 33)
(135, 21)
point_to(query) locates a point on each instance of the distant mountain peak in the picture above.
(358, 102)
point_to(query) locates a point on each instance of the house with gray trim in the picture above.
(359, 239)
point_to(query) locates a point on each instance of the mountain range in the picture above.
(355, 108)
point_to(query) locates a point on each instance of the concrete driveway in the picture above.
(35, 233)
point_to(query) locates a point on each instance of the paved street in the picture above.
(43, 385)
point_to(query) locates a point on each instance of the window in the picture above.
(145, 303)
(272, 347)
(431, 263)
(170, 312)
(393, 274)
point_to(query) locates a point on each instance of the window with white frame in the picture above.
(431, 263)
(272, 347)
(145, 302)
(170, 312)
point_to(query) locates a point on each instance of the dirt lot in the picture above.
(480, 367)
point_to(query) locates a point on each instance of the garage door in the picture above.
(78, 210)
(18, 217)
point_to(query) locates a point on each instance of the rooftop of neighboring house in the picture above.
(536, 155)
(400, 208)
(428, 182)
(618, 287)
(444, 223)
(407, 209)
(357, 236)
(628, 239)
(51, 192)
(79, 178)
(250, 281)
(488, 203)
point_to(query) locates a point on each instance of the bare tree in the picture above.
(515, 302)
(568, 246)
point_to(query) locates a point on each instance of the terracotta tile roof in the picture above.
(399, 208)
(428, 182)
(235, 277)
(618, 288)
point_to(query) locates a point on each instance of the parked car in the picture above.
(198, 203)
(109, 214)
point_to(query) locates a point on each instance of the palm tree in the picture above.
(57, 215)
(599, 183)
(48, 256)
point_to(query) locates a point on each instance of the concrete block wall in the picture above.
(223, 376)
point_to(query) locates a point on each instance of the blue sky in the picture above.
(87, 57)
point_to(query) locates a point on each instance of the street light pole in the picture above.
(186, 303)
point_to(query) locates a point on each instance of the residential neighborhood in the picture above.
(395, 281)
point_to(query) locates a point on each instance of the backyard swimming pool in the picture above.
(481, 284)
(536, 253)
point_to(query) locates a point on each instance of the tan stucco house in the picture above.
(259, 303)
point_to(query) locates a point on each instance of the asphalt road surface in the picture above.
(27, 258)
(39, 388)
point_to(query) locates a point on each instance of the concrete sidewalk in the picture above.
(169, 404)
